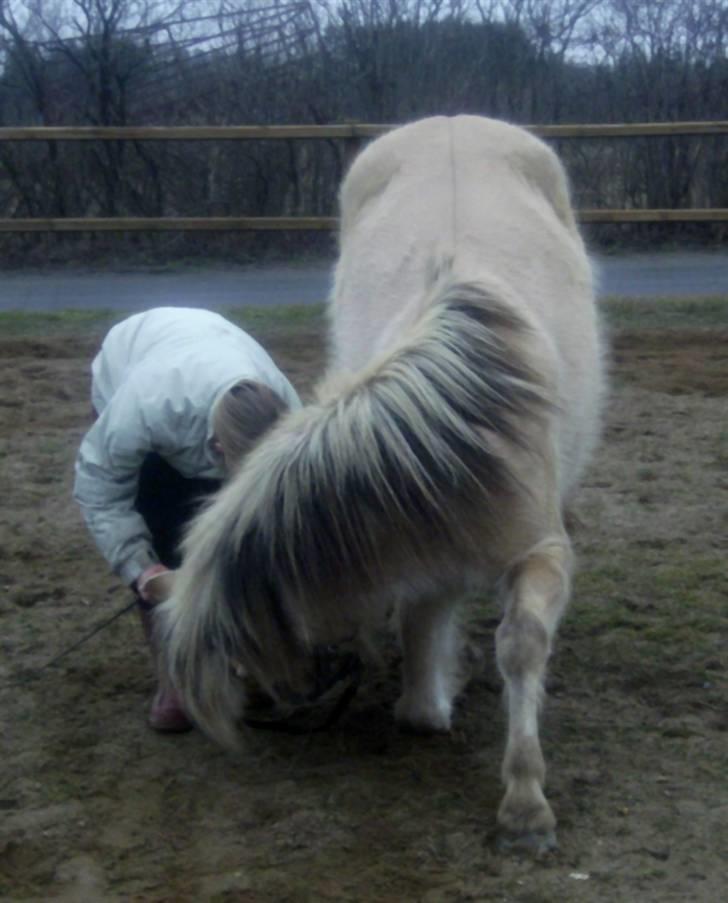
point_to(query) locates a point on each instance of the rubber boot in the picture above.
(166, 713)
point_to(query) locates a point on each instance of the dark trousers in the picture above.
(167, 501)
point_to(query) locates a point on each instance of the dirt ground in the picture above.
(95, 807)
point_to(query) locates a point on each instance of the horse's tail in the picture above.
(387, 478)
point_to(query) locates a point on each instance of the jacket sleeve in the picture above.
(107, 476)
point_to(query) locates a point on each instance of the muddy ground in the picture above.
(94, 806)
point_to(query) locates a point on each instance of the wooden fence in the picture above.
(351, 132)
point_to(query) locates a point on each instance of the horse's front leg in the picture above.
(537, 593)
(429, 639)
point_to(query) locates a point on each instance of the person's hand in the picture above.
(155, 584)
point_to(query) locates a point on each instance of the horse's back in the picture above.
(482, 197)
(487, 202)
(436, 154)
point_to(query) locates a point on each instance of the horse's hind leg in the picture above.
(429, 638)
(537, 592)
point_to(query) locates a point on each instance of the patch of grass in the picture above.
(280, 322)
(619, 313)
(721, 452)
(667, 612)
(287, 314)
(663, 313)
(281, 319)
(57, 323)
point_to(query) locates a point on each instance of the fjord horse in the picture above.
(460, 406)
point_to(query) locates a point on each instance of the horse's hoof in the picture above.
(532, 843)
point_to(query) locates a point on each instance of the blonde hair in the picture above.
(242, 415)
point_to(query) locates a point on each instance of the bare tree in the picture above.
(117, 62)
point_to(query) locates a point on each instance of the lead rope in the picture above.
(289, 727)
(352, 671)
(34, 674)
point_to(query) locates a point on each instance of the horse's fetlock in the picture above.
(524, 761)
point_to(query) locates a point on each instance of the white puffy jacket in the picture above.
(154, 384)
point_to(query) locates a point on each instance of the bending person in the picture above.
(180, 396)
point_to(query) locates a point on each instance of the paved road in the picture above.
(681, 274)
